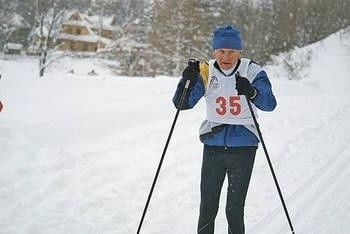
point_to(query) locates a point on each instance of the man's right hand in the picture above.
(191, 72)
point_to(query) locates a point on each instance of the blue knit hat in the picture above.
(227, 37)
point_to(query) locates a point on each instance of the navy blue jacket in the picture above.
(229, 135)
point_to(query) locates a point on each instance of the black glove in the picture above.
(191, 72)
(244, 87)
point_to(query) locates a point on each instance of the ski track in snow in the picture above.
(321, 183)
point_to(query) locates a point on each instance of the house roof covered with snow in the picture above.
(13, 46)
(75, 18)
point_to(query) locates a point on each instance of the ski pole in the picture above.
(269, 162)
(163, 154)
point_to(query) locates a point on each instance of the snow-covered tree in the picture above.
(177, 33)
(132, 48)
(48, 16)
(7, 10)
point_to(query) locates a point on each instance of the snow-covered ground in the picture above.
(78, 153)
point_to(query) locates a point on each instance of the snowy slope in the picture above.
(79, 153)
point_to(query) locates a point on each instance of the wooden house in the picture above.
(80, 32)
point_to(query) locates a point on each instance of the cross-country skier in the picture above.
(228, 133)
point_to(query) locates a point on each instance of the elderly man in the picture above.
(228, 133)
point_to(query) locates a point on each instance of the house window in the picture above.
(85, 47)
(72, 45)
(78, 31)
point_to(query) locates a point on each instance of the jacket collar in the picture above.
(216, 65)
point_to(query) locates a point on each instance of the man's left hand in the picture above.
(244, 87)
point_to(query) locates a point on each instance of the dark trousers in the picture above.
(237, 163)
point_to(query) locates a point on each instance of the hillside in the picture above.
(79, 152)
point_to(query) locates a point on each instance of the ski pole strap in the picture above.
(187, 85)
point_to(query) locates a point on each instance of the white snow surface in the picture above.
(79, 153)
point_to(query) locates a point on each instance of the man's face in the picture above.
(226, 58)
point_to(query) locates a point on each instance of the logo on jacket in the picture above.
(214, 83)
